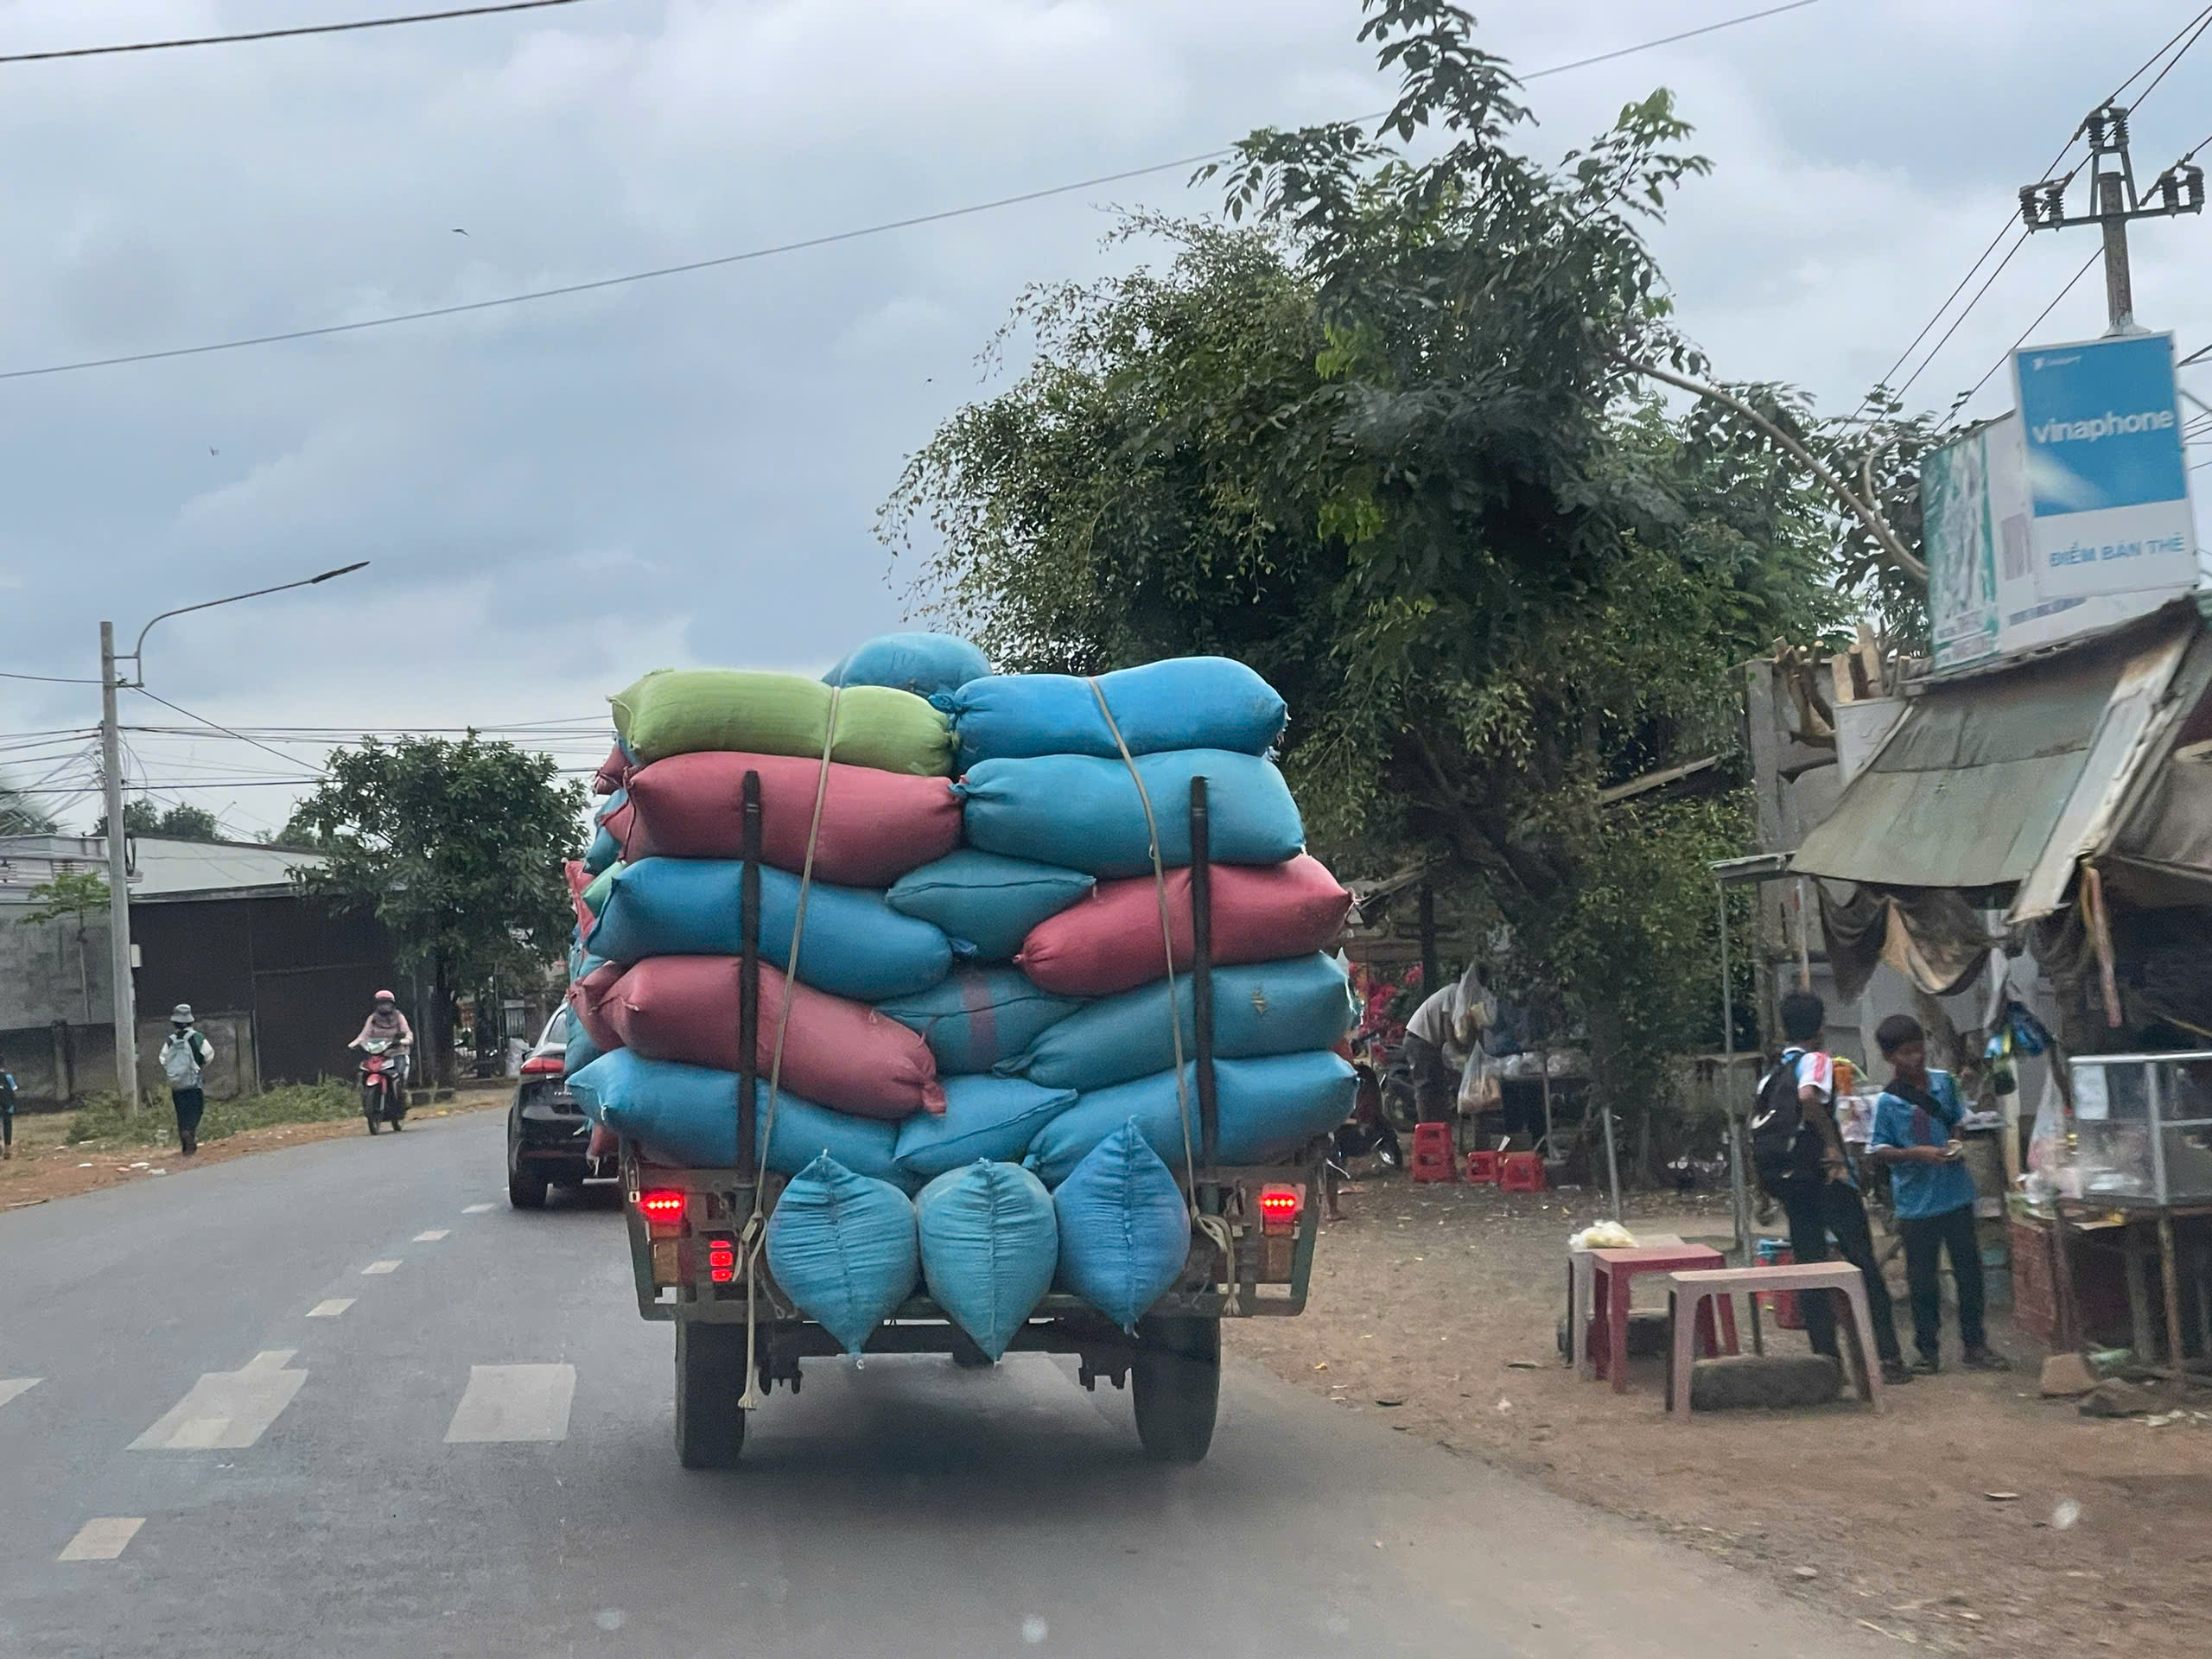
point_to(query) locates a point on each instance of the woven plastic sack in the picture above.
(680, 710)
(840, 1054)
(989, 1245)
(608, 777)
(1275, 1008)
(1184, 702)
(978, 1017)
(1085, 813)
(983, 1117)
(1112, 942)
(581, 1051)
(1125, 1230)
(875, 825)
(856, 945)
(687, 1116)
(1269, 1109)
(844, 1249)
(924, 663)
(986, 901)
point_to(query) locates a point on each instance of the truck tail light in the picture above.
(722, 1259)
(661, 1209)
(1279, 1208)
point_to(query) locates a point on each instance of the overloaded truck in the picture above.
(1044, 1059)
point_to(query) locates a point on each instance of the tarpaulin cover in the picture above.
(984, 1117)
(1112, 941)
(844, 1249)
(855, 945)
(875, 825)
(679, 710)
(924, 663)
(979, 1016)
(1085, 813)
(986, 901)
(841, 1054)
(687, 1116)
(989, 1245)
(1275, 1008)
(1184, 702)
(1125, 1230)
(1268, 1109)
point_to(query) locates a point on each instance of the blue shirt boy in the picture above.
(1919, 1191)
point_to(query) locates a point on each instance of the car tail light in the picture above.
(544, 1065)
(1279, 1207)
(722, 1259)
(666, 1208)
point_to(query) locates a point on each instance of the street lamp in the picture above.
(118, 873)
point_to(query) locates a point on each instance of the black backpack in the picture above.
(1784, 1146)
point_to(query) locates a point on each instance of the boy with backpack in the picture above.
(1915, 1136)
(186, 1052)
(1799, 1158)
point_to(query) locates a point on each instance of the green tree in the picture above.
(73, 896)
(457, 847)
(1382, 440)
(180, 823)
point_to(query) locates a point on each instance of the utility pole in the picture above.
(118, 879)
(2114, 200)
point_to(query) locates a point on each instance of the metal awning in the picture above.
(2008, 780)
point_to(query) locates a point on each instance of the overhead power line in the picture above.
(2071, 283)
(686, 267)
(290, 33)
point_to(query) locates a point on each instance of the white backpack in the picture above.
(179, 1063)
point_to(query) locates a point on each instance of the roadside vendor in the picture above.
(1438, 1037)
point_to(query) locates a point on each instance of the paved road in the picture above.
(340, 1400)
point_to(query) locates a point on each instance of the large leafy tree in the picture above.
(179, 823)
(457, 847)
(1384, 439)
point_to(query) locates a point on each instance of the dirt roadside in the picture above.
(46, 1167)
(1436, 1309)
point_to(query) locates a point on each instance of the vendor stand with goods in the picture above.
(940, 1011)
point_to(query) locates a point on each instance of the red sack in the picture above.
(586, 1000)
(875, 825)
(840, 1054)
(579, 879)
(1111, 941)
(608, 777)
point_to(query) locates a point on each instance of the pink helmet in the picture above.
(385, 996)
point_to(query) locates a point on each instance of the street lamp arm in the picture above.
(209, 604)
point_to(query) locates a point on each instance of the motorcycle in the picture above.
(383, 1097)
(1367, 1133)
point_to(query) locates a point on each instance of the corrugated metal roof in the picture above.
(159, 867)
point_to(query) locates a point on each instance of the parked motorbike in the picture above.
(383, 1095)
(1367, 1133)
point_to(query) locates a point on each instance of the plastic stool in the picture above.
(1482, 1167)
(1522, 1172)
(1788, 1316)
(1433, 1152)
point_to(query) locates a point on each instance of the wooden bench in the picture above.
(1690, 1296)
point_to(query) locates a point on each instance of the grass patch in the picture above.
(101, 1117)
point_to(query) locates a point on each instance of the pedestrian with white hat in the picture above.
(186, 1052)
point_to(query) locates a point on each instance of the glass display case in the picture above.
(2142, 1128)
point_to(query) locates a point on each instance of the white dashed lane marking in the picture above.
(433, 1236)
(381, 1266)
(102, 1539)
(228, 1410)
(331, 1309)
(479, 1209)
(13, 1387)
(514, 1402)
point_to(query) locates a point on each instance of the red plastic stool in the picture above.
(1521, 1171)
(1482, 1167)
(1433, 1152)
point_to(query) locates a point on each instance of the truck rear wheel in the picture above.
(710, 1378)
(1175, 1384)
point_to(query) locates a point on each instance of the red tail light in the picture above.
(1279, 1208)
(544, 1065)
(722, 1259)
(663, 1207)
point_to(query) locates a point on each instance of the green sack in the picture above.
(685, 711)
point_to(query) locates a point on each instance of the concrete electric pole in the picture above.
(2114, 200)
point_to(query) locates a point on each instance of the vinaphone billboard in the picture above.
(2067, 516)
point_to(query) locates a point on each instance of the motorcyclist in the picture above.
(386, 1024)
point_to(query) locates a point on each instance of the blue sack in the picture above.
(844, 1250)
(1184, 702)
(581, 1051)
(1269, 1109)
(986, 901)
(687, 1116)
(602, 852)
(990, 1246)
(1269, 1008)
(1085, 813)
(1125, 1230)
(983, 1117)
(924, 663)
(856, 945)
(978, 1017)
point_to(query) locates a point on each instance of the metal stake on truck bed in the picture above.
(1202, 982)
(749, 982)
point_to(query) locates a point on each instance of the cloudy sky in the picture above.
(558, 495)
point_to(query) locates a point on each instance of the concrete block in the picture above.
(1773, 1381)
